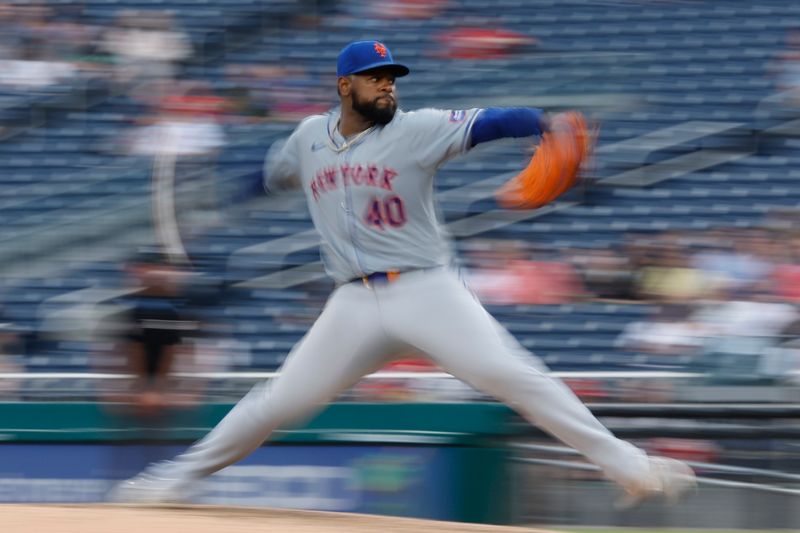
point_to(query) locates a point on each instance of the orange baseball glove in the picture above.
(555, 166)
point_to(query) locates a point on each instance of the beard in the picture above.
(370, 110)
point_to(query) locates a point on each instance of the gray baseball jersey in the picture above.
(371, 196)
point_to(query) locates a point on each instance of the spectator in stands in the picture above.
(185, 124)
(150, 332)
(31, 53)
(787, 70)
(738, 262)
(248, 100)
(404, 9)
(80, 43)
(275, 92)
(751, 314)
(33, 70)
(10, 32)
(786, 273)
(148, 49)
(39, 50)
(606, 273)
(741, 331)
(670, 331)
(11, 361)
(506, 273)
(185, 137)
(669, 277)
(477, 41)
(781, 361)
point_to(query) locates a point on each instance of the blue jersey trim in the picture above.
(498, 123)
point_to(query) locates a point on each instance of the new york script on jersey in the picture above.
(331, 177)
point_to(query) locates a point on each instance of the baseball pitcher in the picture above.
(367, 171)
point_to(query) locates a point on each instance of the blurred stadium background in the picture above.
(666, 291)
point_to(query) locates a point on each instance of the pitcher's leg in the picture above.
(345, 343)
(447, 323)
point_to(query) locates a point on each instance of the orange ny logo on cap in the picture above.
(380, 49)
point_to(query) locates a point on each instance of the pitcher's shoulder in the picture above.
(313, 124)
(424, 116)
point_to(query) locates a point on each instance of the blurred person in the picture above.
(148, 48)
(11, 33)
(34, 69)
(736, 262)
(786, 71)
(185, 123)
(505, 273)
(480, 42)
(606, 273)
(11, 360)
(753, 314)
(670, 331)
(406, 9)
(786, 273)
(350, 11)
(367, 170)
(44, 45)
(184, 138)
(670, 278)
(272, 92)
(243, 94)
(295, 94)
(149, 334)
(81, 43)
(289, 93)
(740, 329)
(781, 361)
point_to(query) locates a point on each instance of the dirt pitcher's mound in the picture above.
(208, 519)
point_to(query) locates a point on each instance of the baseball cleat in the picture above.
(149, 489)
(669, 479)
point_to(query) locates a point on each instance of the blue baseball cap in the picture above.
(359, 56)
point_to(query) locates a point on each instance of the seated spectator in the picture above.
(480, 42)
(746, 315)
(741, 331)
(671, 331)
(606, 273)
(185, 137)
(11, 361)
(737, 263)
(669, 278)
(786, 274)
(504, 273)
(787, 70)
(185, 125)
(147, 47)
(403, 9)
(39, 50)
(279, 93)
(32, 70)
(782, 360)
